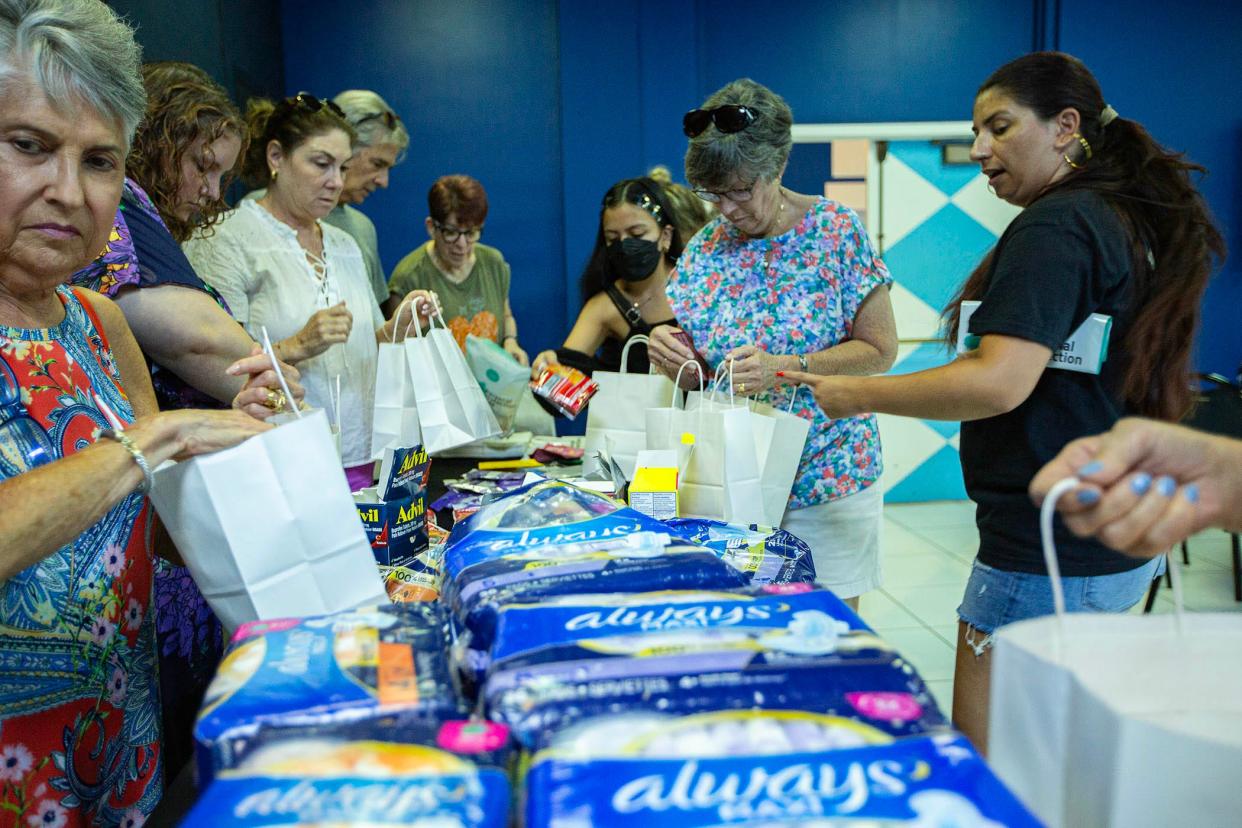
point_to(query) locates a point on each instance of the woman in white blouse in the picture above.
(281, 268)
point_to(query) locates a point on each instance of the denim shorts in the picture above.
(996, 597)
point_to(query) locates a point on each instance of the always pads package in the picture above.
(564, 628)
(317, 781)
(799, 651)
(761, 768)
(372, 671)
(550, 538)
(768, 555)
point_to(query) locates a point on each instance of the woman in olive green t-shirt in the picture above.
(471, 280)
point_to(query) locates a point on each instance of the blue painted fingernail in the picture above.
(1091, 468)
(1166, 486)
(1192, 492)
(1088, 496)
(1141, 483)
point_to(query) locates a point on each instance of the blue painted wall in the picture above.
(476, 83)
(548, 103)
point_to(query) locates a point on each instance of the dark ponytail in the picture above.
(646, 194)
(1173, 239)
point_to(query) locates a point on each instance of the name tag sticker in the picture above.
(1085, 351)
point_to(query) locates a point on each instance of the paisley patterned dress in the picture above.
(79, 702)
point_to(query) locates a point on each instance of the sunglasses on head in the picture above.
(728, 118)
(390, 118)
(307, 101)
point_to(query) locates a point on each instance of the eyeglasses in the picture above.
(310, 103)
(390, 118)
(728, 118)
(736, 196)
(452, 234)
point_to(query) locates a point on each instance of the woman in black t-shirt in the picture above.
(623, 284)
(1111, 225)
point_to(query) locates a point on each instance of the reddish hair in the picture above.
(460, 196)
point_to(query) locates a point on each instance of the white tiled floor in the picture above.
(926, 552)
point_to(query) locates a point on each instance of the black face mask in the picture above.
(633, 259)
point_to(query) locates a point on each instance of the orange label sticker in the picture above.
(397, 682)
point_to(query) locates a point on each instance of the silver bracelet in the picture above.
(121, 437)
(802, 364)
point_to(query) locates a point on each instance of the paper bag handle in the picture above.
(413, 316)
(280, 376)
(726, 366)
(677, 382)
(1046, 512)
(625, 352)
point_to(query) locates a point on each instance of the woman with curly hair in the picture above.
(183, 157)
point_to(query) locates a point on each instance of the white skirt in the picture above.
(844, 536)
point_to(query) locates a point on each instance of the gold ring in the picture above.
(275, 400)
(741, 389)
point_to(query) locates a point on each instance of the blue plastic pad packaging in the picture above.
(550, 538)
(373, 671)
(762, 768)
(317, 781)
(798, 651)
(563, 628)
(769, 556)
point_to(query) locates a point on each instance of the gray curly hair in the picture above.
(373, 119)
(714, 159)
(75, 50)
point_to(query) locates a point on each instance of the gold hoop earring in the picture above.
(1086, 150)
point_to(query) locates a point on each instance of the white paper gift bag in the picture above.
(395, 418)
(615, 417)
(451, 408)
(1110, 720)
(780, 438)
(268, 528)
(721, 479)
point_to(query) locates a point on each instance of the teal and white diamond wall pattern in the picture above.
(937, 222)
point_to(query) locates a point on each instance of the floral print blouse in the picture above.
(795, 293)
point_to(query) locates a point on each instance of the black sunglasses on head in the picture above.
(391, 119)
(728, 118)
(310, 103)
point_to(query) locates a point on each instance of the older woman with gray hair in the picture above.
(785, 281)
(380, 144)
(79, 701)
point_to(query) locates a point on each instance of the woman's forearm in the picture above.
(853, 357)
(93, 480)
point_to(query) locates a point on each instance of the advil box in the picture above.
(394, 513)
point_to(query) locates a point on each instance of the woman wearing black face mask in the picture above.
(623, 283)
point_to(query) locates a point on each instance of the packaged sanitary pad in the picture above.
(799, 651)
(550, 538)
(761, 768)
(316, 781)
(769, 556)
(563, 628)
(370, 672)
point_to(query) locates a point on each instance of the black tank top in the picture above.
(610, 352)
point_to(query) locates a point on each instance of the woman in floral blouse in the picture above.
(781, 281)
